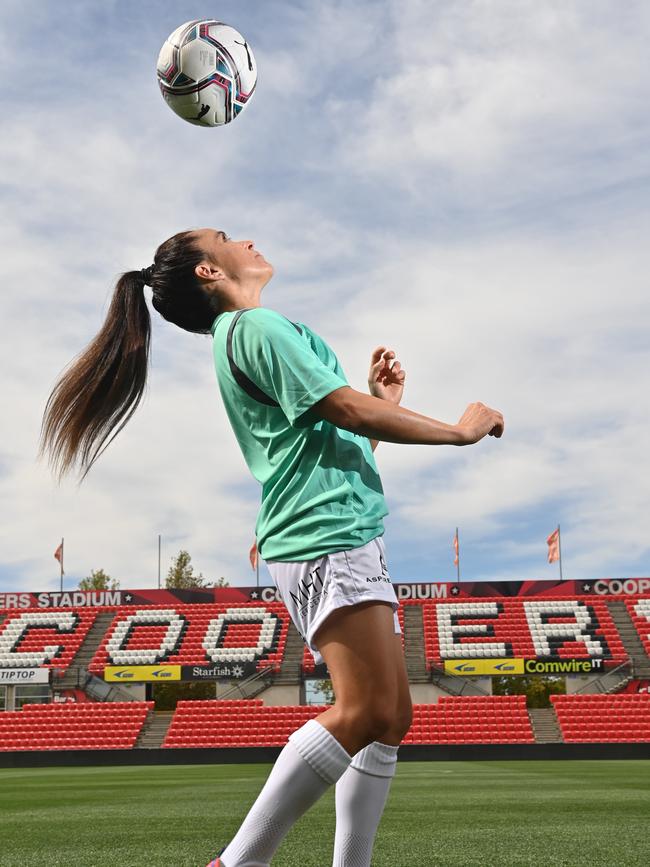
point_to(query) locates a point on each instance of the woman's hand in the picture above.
(386, 377)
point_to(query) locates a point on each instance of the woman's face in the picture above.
(239, 260)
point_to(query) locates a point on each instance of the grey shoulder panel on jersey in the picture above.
(243, 381)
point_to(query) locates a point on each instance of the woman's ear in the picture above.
(205, 271)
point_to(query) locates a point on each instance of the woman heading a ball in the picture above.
(308, 438)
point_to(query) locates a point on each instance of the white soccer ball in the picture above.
(206, 72)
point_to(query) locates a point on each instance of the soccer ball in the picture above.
(207, 72)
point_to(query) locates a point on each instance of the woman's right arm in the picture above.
(380, 420)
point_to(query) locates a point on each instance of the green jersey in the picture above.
(321, 491)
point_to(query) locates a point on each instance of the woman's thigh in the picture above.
(366, 663)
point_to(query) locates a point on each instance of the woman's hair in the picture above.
(105, 383)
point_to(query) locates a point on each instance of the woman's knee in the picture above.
(374, 719)
(397, 730)
(368, 720)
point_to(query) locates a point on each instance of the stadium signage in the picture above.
(141, 673)
(405, 592)
(484, 667)
(223, 671)
(421, 591)
(563, 666)
(623, 586)
(157, 673)
(495, 667)
(24, 675)
(72, 599)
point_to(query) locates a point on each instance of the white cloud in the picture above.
(547, 333)
(502, 100)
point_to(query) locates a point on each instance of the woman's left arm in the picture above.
(385, 378)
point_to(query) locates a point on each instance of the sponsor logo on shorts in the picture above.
(384, 573)
(309, 591)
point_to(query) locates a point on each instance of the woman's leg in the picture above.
(366, 663)
(319, 752)
(362, 790)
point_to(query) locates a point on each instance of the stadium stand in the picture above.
(38, 639)
(90, 725)
(195, 635)
(471, 720)
(454, 720)
(603, 718)
(253, 632)
(308, 663)
(235, 723)
(611, 628)
(520, 627)
(639, 611)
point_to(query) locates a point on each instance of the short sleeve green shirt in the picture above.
(321, 491)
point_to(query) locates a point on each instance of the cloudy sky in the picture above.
(466, 182)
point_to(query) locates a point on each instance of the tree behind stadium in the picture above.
(181, 575)
(98, 580)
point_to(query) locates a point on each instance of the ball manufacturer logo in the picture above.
(248, 53)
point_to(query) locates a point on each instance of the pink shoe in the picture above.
(216, 862)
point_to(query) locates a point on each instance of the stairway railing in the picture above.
(259, 681)
(609, 681)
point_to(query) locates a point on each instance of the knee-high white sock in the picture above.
(308, 765)
(360, 799)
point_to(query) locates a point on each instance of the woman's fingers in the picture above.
(385, 368)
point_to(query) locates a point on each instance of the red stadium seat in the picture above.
(268, 629)
(69, 726)
(603, 718)
(511, 628)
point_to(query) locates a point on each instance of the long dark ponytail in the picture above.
(97, 395)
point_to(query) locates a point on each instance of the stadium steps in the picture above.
(75, 675)
(545, 726)
(291, 669)
(153, 732)
(630, 638)
(416, 664)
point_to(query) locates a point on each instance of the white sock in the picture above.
(360, 799)
(307, 766)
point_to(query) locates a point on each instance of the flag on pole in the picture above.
(457, 555)
(58, 554)
(553, 543)
(252, 555)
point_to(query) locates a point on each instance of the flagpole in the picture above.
(257, 569)
(457, 556)
(559, 548)
(61, 564)
(159, 561)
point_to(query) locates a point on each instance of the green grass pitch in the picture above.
(488, 814)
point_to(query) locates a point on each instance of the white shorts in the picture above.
(312, 589)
